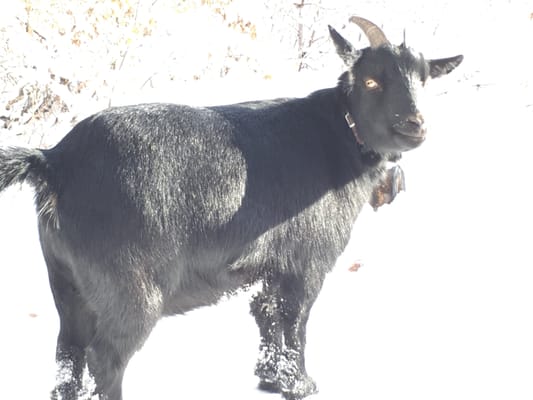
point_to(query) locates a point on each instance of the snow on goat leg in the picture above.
(156, 209)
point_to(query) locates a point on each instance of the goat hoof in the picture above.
(306, 386)
(269, 387)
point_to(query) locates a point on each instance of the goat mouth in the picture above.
(416, 135)
(411, 139)
(412, 127)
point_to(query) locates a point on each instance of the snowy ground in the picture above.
(442, 308)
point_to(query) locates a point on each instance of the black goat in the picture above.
(152, 210)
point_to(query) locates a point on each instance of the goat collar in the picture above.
(351, 123)
(369, 155)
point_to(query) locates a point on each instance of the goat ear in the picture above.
(345, 49)
(443, 66)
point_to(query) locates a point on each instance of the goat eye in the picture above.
(372, 84)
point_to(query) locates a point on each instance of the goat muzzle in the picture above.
(412, 126)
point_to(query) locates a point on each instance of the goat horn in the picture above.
(375, 35)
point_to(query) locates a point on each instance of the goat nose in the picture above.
(416, 119)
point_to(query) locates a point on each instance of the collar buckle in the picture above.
(351, 124)
(349, 120)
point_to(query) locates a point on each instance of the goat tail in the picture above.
(18, 165)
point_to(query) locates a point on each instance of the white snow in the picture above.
(441, 309)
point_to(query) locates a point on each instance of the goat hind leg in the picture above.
(77, 326)
(121, 332)
(107, 364)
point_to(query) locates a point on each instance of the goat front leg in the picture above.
(281, 311)
(298, 295)
(265, 308)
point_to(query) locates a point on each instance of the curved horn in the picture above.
(375, 35)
